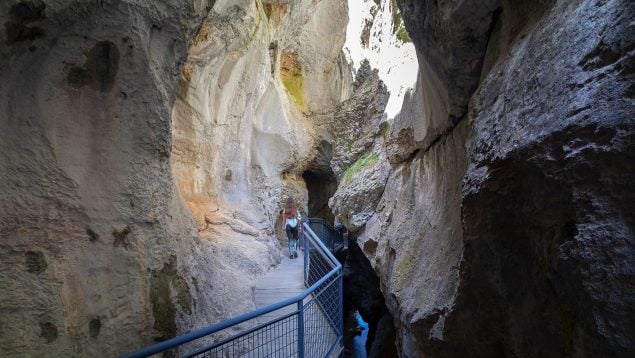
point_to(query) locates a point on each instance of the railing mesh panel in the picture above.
(278, 339)
(330, 237)
(321, 322)
(322, 312)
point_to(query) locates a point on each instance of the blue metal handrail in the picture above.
(322, 291)
(329, 236)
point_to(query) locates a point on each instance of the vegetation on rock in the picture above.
(398, 27)
(365, 161)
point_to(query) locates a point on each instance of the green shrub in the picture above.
(402, 35)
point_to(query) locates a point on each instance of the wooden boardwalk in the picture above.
(285, 281)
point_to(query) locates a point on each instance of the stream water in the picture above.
(359, 342)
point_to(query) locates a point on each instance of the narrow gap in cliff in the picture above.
(492, 51)
(320, 186)
(369, 329)
(321, 183)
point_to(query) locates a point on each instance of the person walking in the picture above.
(292, 225)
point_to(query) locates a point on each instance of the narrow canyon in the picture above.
(479, 155)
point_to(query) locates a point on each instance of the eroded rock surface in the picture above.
(146, 147)
(88, 205)
(359, 127)
(547, 206)
(362, 292)
(505, 225)
(244, 130)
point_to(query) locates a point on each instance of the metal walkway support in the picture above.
(313, 328)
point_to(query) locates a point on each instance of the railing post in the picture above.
(323, 238)
(306, 257)
(340, 284)
(300, 329)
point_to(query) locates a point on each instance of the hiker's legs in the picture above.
(291, 238)
(295, 242)
(289, 231)
(294, 245)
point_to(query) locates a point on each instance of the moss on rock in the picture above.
(291, 76)
(165, 286)
(365, 161)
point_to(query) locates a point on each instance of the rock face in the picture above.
(94, 238)
(359, 127)
(505, 224)
(252, 80)
(549, 205)
(145, 149)
(243, 127)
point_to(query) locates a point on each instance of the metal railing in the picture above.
(307, 325)
(331, 238)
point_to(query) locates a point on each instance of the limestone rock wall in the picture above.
(145, 149)
(359, 126)
(243, 123)
(548, 206)
(244, 129)
(94, 237)
(505, 223)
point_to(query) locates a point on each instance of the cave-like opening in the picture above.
(320, 186)
(321, 183)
